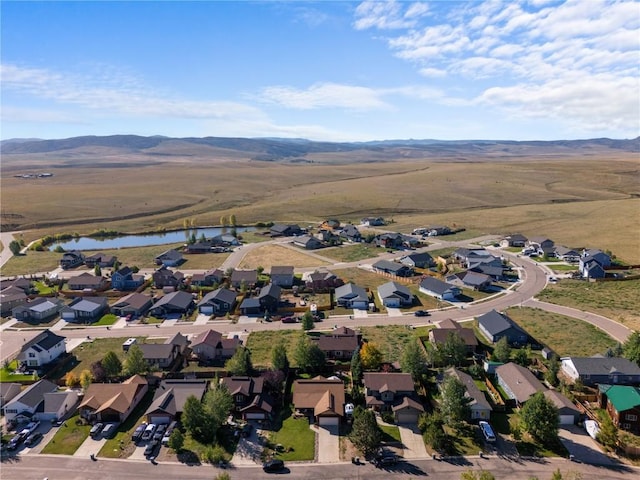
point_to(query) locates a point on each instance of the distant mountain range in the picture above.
(282, 149)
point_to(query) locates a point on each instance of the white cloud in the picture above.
(433, 72)
(324, 95)
(388, 15)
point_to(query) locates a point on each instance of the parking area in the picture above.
(583, 448)
(412, 442)
(248, 449)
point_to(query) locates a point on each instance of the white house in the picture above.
(42, 349)
(439, 289)
(58, 404)
(25, 405)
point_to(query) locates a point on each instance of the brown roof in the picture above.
(449, 323)
(560, 401)
(394, 382)
(208, 337)
(439, 335)
(114, 396)
(342, 343)
(323, 395)
(134, 300)
(245, 385)
(520, 381)
(408, 402)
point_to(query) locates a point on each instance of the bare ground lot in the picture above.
(268, 255)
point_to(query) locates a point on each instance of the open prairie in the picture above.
(591, 201)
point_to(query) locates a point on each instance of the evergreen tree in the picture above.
(631, 348)
(454, 404)
(111, 364)
(176, 440)
(453, 350)
(502, 351)
(279, 359)
(539, 417)
(14, 247)
(413, 360)
(135, 364)
(551, 375)
(307, 321)
(240, 362)
(365, 432)
(356, 367)
(193, 417)
(433, 431)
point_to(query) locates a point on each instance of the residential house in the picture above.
(567, 254)
(42, 349)
(479, 406)
(373, 221)
(475, 260)
(224, 240)
(328, 237)
(25, 405)
(10, 298)
(23, 284)
(418, 260)
(124, 279)
(58, 405)
(392, 268)
(394, 392)
(543, 245)
(39, 309)
(100, 259)
(568, 413)
(174, 304)
(514, 240)
(164, 277)
(470, 279)
(164, 354)
(170, 397)
(207, 279)
(321, 280)
(351, 233)
(170, 258)
(321, 399)
(518, 382)
(86, 281)
(340, 344)
(85, 309)
(622, 403)
(494, 325)
(244, 278)
(8, 391)
(71, 259)
(282, 276)
(217, 302)
(593, 264)
(249, 398)
(439, 289)
(269, 298)
(209, 346)
(308, 242)
(464, 254)
(594, 370)
(205, 246)
(112, 402)
(250, 306)
(494, 273)
(350, 295)
(389, 240)
(438, 336)
(435, 230)
(134, 304)
(395, 295)
(281, 230)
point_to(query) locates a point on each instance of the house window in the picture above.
(11, 410)
(32, 355)
(626, 426)
(631, 418)
(239, 398)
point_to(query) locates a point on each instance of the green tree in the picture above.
(279, 359)
(433, 355)
(218, 404)
(176, 440)
(15, 248)
(502, 351)
(135, 364)
(356, 367)
(551, 375)
(631, 348)
(240, 362)
(521, 357)
(307, 321)
(433, 431)
(111, 364)
(413, 360)
(97, 271)
(608, 434)
(539, 417)
(453, 350)
(454, 404)
(222, 476)
(307, 355)
(194, 418)
(365, 432)
(481, 475)
(371, 356)
(556, 475)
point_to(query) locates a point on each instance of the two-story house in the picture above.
(71, 259)
(26, 404)
(210, 346)
(340, 344)
(164, 277)
(124, 279)
(217, 302)
(387, 391)
(100, 259)
(282, 276)
(42, 349)
(249, 399)
(622, 403)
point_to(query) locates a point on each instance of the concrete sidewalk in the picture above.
(327, 443)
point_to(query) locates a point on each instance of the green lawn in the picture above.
(7, 375)
(564, 335)
(108, 319)
(296, 437)
(563, 268)
(465, 441)
(618, 301)
(352, 252)
(261, 344)
(68, 438)
(43, 288)
(390, 433)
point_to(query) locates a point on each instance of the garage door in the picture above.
(206, 310)
(404, 417)
(254, 416)
(329, 421)
(566, 419)
(68, 315)
(159, 419)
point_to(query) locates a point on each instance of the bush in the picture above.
(215, 454)
(388, 417)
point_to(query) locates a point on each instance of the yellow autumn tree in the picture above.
(371, 356)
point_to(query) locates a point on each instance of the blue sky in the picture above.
(336, 71)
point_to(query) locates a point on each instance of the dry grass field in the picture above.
(269, 255)
(576, 200)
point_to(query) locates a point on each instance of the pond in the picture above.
(87, 243)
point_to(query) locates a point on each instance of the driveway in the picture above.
(327, 443)
(584, 448)
(249, 449)
(90, 446)
(412, 442)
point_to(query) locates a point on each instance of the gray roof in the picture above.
(496, 323)
(270, 290)
(250, 303)
(42, 306)
(389, 266)
(175, 299)
(156, 350)
(34, 395)
(134, 300)
(520, 381)
(171, 395)
(281, 270)
(351, 291)
(170, 255)
(45, 340)
(560, 401)
(391, 289)
(437, 286)
(473, 391)
(221, 294)
(418, 257)
(54, 400)
(604, 366)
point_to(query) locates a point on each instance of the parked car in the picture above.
(148, 432)
(137, 434)
(160, 432)
(487, 431)
(273, 466)
(16, 441)
(289, 320)
(421, 313)
(96, 430)
(151, 448)
(385, 460)
(31, 426)
(109, 430)
(33, 439)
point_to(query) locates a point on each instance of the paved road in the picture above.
(6, 238)
(61, 467)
